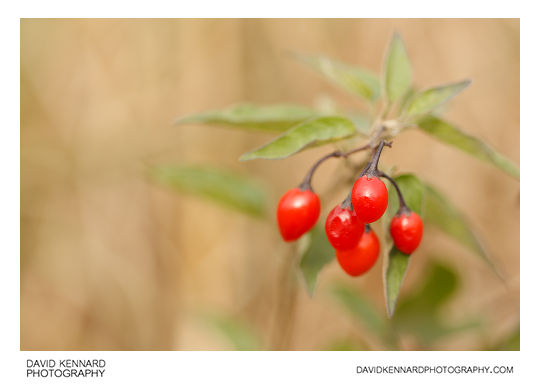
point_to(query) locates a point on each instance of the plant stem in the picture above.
(371, 168)
(306, 183)
(403, 208)
(347, 203)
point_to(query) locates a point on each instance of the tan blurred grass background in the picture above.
(111, 261)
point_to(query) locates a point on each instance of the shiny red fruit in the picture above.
(361, 258)
(369, 198)
(343, 229)
(297, 212)
(406, 230)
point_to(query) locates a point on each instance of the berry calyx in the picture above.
(297, 212)
(369, 195)
(343, 229)
(362, 257)
(406, 229)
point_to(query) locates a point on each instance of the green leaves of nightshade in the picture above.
(358, 81)
(315, 256)
(451, 135)
(398, 262)
(313, 132)
(224, 187)
(397, 70)
(419, 313)
(426, 101)
(364, 311)
(436, 210)
(441, 213)
(279, 117)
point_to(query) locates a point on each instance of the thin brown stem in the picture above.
(371, 168)
(306, 183)
(403, 208)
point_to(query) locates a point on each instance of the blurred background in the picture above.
(113, 261)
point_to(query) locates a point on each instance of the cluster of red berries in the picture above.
(347, 225)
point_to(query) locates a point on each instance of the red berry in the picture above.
(343, 228)
(297, 212)
(406, 230)
(360, 259)
(369, 198)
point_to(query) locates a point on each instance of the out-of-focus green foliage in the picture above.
(239, 334)
(441, 213)
(451, 135)
(279, 117)
(222, 186)
(426, 101)
(397, 72)
(358, 81)
(315, 256)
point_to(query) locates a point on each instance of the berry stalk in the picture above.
(403, 208)
(306, 183)
(371, 168)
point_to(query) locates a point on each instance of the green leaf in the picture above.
(419, 312)
(317, 255)
(358, 81)
(364, 311)
(222, 186)
(273, 118)
(318, 131)
(394, 274)
(438, 286)
(441, 213)
(396, 261)
(413, 193)
(406, 99)
(426, 101)
(397, 69)
(452, 135)
(236, 332)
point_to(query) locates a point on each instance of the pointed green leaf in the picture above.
(397, 69)
(222, 186)
(318, 131)
(441, 213)
(394, 274)
(452, 135)
(317, 255)
(278, 117)
(358, 81)
(397, 262)
(406, 99)
(426, 101)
